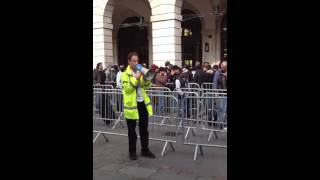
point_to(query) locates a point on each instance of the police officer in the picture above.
(137, 106)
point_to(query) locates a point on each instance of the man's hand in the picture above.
(138, 67)
(138, 75)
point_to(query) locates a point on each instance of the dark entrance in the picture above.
(191, 38)
(223, 37)
(132, 38)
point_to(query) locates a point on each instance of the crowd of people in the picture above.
(171, 76)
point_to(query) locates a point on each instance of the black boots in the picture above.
(133, 156)
(147, 153)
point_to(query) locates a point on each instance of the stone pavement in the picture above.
(111, 162)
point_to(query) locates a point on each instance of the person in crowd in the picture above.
(118, 79)
(107, 72)
(99, 76)
(206, 65)
(220, 77)
(155, 69)
(197, 75)
(113, 75)
(161, 79)
(181, 83)
(208, 74)
(101, 103)
(220, 82)
(167, 64)
(172, 77)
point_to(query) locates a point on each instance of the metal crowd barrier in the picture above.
(176, 113)
(169, 84)
(209, 118)
(194, 85)
(109, 118)
(155, 88)
(207, 85)
(201, 91)
(109, 113)
(103, 86)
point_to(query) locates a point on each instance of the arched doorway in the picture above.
(223, 38)
(133, 37)
(191, 38)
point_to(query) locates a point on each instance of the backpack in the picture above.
(171, 79)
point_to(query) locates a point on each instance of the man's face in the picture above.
(100, 67)
(133, 62)
(224, 66)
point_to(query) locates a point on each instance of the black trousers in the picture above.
(143, 129)
(105, 109)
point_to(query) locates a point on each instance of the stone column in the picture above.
(166, 31)
(102, 32)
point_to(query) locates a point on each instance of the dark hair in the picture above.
(221, 63)
(162, 69)
(199, 66)
(175, 67)
(215, 67)
(167, 63)
(132, 54)
(98, 65)
(121, 68)
(115, 67)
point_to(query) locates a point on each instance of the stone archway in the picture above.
(166, 31)
(127, 42)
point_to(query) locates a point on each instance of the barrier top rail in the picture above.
(103, 86)
(194, 85)
(159, 88)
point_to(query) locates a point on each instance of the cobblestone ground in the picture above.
(111, 161)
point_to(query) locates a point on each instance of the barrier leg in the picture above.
(107, 140)
(210, 136)
(95, 138)
(162, 122)
(195, 153)
(117, 121)
(201, 151)
(164, 148)
(172, 146)
(193, 133)
(187, 133)
(215, 134)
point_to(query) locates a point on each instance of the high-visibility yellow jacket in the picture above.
(129, 91)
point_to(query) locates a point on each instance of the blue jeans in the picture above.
(222, 110)
(160, 107)
(183, 105)
(98, 97)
